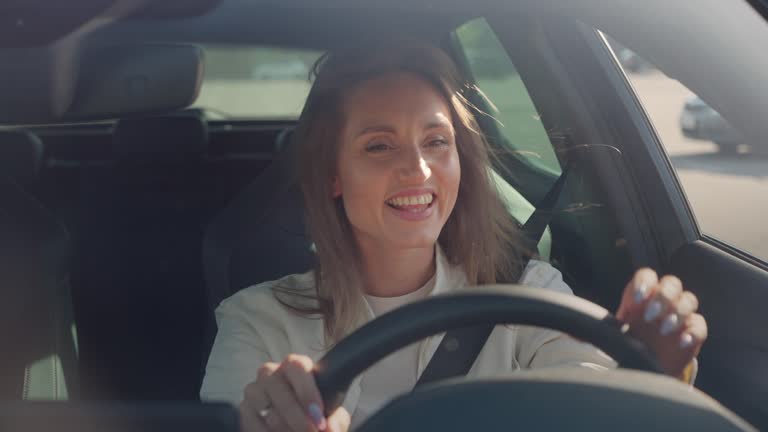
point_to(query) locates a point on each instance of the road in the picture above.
(728, 194)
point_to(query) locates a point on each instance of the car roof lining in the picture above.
(678, 28)
(322, 28)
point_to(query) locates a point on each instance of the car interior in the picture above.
(127, 221)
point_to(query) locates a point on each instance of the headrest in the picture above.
(21, 155)
(166, 138)
(283, 139)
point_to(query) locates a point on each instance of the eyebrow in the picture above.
(434, 124)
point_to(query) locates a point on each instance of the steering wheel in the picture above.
(500, 304)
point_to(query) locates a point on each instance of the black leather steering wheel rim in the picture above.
(499, 304)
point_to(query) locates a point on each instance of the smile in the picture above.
(416, 207)
(404, 202)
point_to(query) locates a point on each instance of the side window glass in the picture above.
(725, 177)
(493, 72)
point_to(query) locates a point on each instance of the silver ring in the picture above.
(263, 413)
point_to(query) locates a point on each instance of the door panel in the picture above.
(733, 295)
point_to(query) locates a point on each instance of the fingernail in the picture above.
(686, 341)
(668, 290)
(641, 291)
(316, 414)
(669, 324)
(652, 311)
(686, 306)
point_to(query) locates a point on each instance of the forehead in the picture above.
(397, 96)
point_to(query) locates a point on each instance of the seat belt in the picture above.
(459, 348)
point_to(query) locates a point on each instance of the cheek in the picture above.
(362, 188)
(360, 180)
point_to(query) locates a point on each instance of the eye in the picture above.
(377, 147)
(437, 142)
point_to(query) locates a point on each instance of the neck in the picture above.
(396, 272)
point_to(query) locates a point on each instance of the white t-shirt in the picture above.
(395, 374)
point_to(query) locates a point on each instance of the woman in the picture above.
(400, 206)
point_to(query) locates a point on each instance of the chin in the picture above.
(416, 240)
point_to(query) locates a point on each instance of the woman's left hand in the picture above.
(663, 315)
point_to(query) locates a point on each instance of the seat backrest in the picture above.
(138, 274)
(37, 332)
(259, 236)
(174, 139)
(21, 155)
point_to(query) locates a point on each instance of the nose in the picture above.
(414, 165)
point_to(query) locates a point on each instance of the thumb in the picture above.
(339, 421)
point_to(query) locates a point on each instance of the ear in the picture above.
(335, 187)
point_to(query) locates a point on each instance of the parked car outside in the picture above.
(700, 121)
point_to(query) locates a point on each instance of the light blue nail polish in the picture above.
(652, 311)
(669, 324)
(316, 414)
(640, 292)
(686, 341)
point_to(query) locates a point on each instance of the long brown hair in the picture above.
(479, 235)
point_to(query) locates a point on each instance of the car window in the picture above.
(255, 82)
(724, 177)
(494, 73)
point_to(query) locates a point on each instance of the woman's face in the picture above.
(398, 168)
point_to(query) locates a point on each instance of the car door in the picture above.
(690, 216)
(722, 193)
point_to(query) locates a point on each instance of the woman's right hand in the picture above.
(284, 398)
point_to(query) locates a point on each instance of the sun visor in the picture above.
(45, 85)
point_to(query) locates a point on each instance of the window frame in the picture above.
(610, 237)
(674, 181)
(497, 138)
(570, 73)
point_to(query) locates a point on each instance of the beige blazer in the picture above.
(254, 328)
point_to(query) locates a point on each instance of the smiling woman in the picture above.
(387, 173)
(364, 128)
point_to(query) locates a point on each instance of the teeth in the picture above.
(411, 200)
